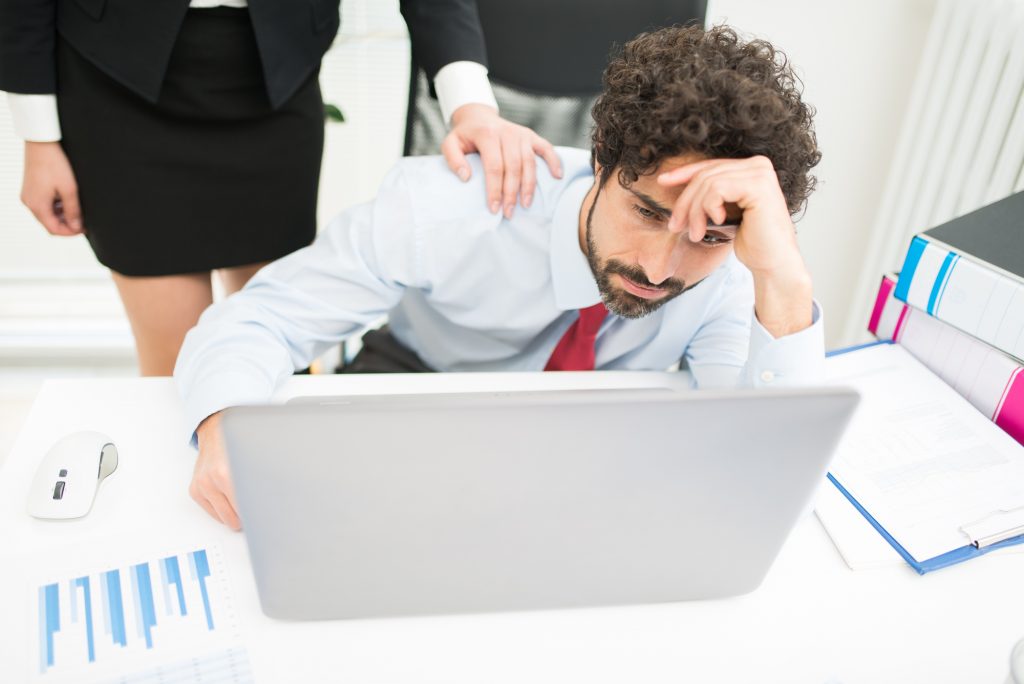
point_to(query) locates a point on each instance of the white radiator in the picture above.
(962, 141)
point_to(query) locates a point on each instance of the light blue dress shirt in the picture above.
(469, 290)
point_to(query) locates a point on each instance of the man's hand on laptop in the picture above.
(211, 481)
(747, 192)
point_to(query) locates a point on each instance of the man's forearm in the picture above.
(783, 299)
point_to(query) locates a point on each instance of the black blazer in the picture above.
(131, 40)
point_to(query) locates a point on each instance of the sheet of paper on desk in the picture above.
(136, 619)
(918, 456)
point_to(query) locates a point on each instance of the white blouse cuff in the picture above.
(461, 83)
(34, 117)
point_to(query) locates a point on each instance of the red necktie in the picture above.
(575, 351)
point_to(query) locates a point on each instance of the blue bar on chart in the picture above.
(200, 571)
(49, 622)
(173, 576)
(114, 606)
(145, 612)
(83, 584)
(81, 638)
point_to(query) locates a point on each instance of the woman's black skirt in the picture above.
(209, 176)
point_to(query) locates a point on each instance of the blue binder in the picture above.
(952, 557)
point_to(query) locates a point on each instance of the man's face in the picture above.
(638, 264)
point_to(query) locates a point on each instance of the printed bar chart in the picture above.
(116, 617)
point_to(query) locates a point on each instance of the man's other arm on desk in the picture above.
(291, 312)
(734, 349)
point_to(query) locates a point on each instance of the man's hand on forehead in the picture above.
(765, 240)
(730, 192)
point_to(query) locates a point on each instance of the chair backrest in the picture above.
(546, 59)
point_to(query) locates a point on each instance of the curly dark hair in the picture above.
(684, 89)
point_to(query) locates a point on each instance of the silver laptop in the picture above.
(449, 503)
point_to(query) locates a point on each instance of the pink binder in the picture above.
(991, 380)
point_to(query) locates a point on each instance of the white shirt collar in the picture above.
(573, 281)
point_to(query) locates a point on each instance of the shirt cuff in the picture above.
(34, 117)
(461, 83)
(792, 360)
(219, 391)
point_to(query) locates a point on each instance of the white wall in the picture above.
(857, 61)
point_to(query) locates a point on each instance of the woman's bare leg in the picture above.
(235, 278)
(161, 309)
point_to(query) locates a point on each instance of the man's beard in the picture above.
(617, 300)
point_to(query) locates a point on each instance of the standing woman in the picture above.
(184, 138)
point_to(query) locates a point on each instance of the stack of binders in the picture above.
(958, 306)
(925, 470)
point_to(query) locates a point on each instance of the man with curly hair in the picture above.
(670, 241)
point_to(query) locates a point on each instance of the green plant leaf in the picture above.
(332, 113)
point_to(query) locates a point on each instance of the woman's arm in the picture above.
(448, 43)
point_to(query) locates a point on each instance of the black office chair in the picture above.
(546, 60)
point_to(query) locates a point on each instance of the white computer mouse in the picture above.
(69, 476)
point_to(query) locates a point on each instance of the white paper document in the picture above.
(135, 618)
(918, 457)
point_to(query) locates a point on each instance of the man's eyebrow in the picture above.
(652, 203)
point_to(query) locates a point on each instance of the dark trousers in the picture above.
(382, 353)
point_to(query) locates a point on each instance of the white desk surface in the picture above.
(813, 619)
